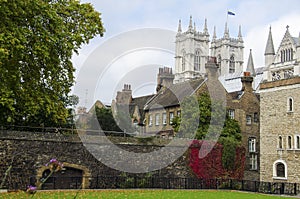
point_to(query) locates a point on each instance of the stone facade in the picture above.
(280, 116)
(192, 52)
(27, 153)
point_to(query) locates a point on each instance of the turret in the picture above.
(250, 65)
(269, 51)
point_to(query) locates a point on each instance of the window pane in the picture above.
(280, 170)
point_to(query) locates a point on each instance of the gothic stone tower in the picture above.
(192, 50)
(229, 52)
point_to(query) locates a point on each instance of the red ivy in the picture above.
(210, 166)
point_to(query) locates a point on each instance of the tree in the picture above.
(37, 41)
(205, 112)
(106, 119)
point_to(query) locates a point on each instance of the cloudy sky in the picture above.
(107, 66)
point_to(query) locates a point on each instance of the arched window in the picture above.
(291, 54)
(183, 60)
(197, 60)
(288, 54)
(281, 56)
(280, 169)
(231, 64)
(289, 142)
(280, 142)
(290, 104)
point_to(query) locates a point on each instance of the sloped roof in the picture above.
(232, 82)
(140, 103)
(172, 96)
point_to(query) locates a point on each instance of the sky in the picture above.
(121, 56)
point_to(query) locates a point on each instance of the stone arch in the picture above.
(86, 174)
(283, 173)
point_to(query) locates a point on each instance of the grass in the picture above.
(134, 194)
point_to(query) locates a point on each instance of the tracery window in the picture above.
(232, 64)
(197, 60)
(183, 60)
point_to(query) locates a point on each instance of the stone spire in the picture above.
(179, 27)
(214, 34)
(270, 46)
(205, 30)
(240, 37)
(250, 65)
(226, 31)
(191, 24)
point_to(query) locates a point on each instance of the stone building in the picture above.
(242, 105)
(280, 114)
(192, 51)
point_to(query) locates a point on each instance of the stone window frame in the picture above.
(248, 119)
(280, 143)
(150, 120)
(164, 118)
(252, 144)
(232, 64)
(157, 119)
(197, 59)
(178, 113)
(256, 117)
(231, 113)
(253, 161)
(183, 64)
(275, 171)
(171, 116)
(297, 142)
(290, 104)
(289, 142)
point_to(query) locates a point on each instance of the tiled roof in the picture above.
(172, 96)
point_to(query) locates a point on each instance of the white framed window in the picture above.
(231, 113)
(157, 119)
(297, 141)
(150, 120)
(290, 104)
(197, 60)
(253, 161)
(289, 142)
(248, 119)
(171, 116)
(252, 144)
(280, 142)
(280, 170)
(164, 118)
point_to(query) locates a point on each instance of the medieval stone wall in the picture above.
(28, 152)
(277, 122)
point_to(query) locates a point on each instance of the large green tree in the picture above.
(37, 41)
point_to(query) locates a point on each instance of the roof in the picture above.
(173, 95)
(270, 46)
(232, 82)
(140, 103)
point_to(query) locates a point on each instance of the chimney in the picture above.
(124, 96)
(165, 78)
(212, 68)
(247, 80)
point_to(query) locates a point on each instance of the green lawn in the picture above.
(155, 194)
